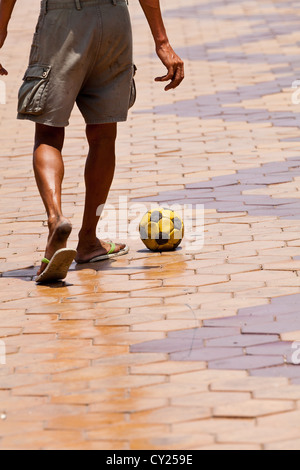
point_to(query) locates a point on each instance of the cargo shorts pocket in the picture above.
(33, 92)
(133, 92)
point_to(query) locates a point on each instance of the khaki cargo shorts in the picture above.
(81, 53)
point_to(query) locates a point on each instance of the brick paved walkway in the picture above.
(172, 351)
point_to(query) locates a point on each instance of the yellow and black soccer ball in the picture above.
(161, 230)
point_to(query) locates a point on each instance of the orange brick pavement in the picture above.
(91, 364)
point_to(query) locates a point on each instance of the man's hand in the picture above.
(174, 65)
(6, 9)
(164, 51)
(3, 35)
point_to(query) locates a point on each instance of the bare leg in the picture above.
(99, 173)
(49, 173)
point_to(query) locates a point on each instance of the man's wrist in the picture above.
(3, 27)
(161, 43)
(3, 34)
(3, 31)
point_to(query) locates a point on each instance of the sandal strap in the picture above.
(112, 249)
(45, 260)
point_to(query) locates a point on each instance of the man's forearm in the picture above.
(153, 14)
(6, 8)
(164, 50)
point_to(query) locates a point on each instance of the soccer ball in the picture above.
(161, 230)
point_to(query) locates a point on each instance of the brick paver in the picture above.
(185, 350)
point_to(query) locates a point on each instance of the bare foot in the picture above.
(59, 232)
(88, 250)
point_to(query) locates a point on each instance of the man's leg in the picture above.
(49, 173)
(99, 173)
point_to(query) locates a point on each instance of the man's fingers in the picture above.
(167, 77)
(175, 75)
(3, 71)
(161, 79)
(177, 78)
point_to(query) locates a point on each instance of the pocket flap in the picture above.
(37, 71)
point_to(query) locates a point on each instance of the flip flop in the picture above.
(110, 254)
(58, 266)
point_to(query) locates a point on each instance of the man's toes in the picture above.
(42, 268)
(119, 247)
